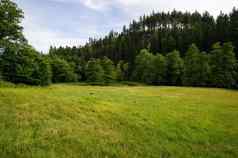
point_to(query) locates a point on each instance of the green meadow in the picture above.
(76, 121)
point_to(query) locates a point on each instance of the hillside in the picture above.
(115, 122)
(160, 32)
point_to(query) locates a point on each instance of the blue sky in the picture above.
(72, 22)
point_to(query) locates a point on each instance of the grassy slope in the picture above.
(118, 122)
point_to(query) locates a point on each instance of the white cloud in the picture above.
(145, 6)
(99, 5)
(135, 8)
(42, 38)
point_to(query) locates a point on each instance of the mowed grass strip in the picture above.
(118, 122)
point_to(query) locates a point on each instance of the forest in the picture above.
(162, 48)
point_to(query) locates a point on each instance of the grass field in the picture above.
(118, 122)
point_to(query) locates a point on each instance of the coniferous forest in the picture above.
(163, 48)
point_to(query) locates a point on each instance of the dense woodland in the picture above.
(174, 48)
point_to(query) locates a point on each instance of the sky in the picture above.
(71, 22)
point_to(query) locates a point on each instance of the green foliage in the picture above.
(236, 75)
(119, 75)
(232, 33)
(19, 62)
(204, 77)
(62, 71)
(122, 71)
(125, 70)
(159, 69)
(44, 72)
(144, 67)
(223, 65)
(174, 68)
(10, 18)
(196, 67)
(22, 64)
(109, 70)
(94, 71)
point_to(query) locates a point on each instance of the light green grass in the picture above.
(118, 122)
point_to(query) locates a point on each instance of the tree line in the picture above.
(219, 68)
(161, 32)
(174, 48)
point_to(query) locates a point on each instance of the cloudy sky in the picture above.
(72, 22)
